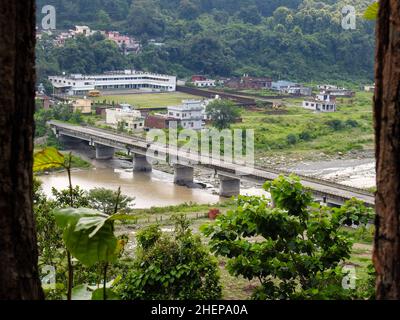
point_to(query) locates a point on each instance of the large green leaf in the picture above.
(372, 11)
(98, 294)
(81, 292)
(88, 235)
(47, 159)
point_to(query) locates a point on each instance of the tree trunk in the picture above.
(19, 277)
(387, 130)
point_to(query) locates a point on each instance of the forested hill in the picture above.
(296, 39)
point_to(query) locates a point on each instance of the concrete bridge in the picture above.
(230, 174)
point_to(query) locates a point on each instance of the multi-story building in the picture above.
(78, 84)
(130, 119)
(190, 114)
(321, 103)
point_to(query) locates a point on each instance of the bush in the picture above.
(352, 123)
(299, 248)
(305, 136)
(335, 124)
(171, 267)
(291, 139)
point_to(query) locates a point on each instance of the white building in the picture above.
(190, 114)
(299, 91)
(204, 83)
(78, 84)
(131, 119)
(282, 85)
(321, 103)
(369, 88)
(327, 87)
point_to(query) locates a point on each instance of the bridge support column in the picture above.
(229, 186)
(141, 164)
(104, 152)
(183, 175)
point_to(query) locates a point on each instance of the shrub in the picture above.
(291, 139)
(335, 124)
(305, 136)
(352, 123)
(171, 267)
(299, 246)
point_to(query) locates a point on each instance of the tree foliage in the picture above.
(292, 246)
(222, 113)
(171, 267)
(301, 40)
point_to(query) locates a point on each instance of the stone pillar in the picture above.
(104, 152)
(183, 175)
(141, 164)
(229, 186)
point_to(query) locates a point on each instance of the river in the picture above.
(155, 189)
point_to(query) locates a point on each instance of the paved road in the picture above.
(320, 188)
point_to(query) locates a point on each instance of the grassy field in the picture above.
(147, 100)
(301, 133)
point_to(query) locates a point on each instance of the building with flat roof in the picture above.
(190, 114)
(83, 106)
(78, 84)
(321, 103)
(130, 119)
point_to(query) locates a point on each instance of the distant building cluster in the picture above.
(126, 43)
(247, 82)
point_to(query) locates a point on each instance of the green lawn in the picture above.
(301, 132)
(147, 100)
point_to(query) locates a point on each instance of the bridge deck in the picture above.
(120, 141)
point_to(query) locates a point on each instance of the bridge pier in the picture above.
(183, 175)
(229, 186)
(104, 152)
(141, 164)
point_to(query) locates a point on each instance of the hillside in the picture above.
(295, 39)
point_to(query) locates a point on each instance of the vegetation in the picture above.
(258, 242)
(296, 39)
(222, 113)
(171, 267)
(60, 112)
(294, 247)
(299, 133)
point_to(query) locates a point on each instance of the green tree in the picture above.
(292, 246)
(104, 200)
(171, 267)
(222, 113)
